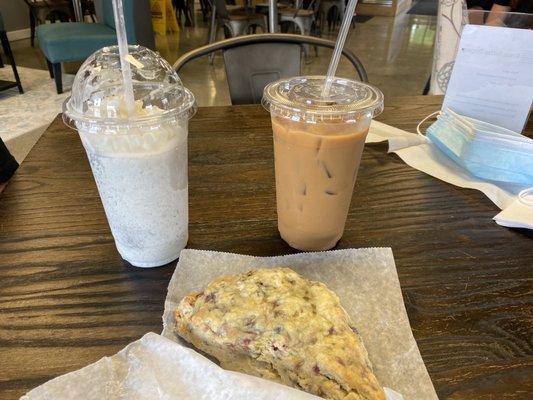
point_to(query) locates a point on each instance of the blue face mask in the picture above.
(485, 150)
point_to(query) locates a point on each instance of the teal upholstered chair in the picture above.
(75, 41)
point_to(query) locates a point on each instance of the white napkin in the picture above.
(518, 215)
(418, 152)
(156, 368)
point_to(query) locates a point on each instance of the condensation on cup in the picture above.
(318, 144)
(139, 160)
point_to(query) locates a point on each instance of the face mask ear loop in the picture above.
(424, 120)
(522, 197)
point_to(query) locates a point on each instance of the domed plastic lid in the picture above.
(97, 99)
(301, 98)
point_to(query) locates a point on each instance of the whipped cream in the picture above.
(132, 135)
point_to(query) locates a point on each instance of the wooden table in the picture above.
(67, 299)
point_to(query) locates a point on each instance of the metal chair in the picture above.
(297, 12)
(205, 7)
(41, 10)
(336, 6)
(236, 22)
(302, 18)
(253, 61)
(9, 54)
(185, 7)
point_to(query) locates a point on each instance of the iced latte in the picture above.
(317, 148)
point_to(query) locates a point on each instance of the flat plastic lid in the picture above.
(97, 98)
(301, 98)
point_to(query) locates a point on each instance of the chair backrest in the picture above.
(250, 68)
(253, 61)
(137, 17)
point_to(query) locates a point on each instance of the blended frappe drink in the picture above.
(317, 149)
(138, 157)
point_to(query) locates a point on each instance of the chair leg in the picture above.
(58, 78)
(178, 16)
(332, 17)
(190, 11)
(213, 34)
(427, 87)
(7, 51)
(212, 26)
(301, 25)
(50, 69)
(204, 4)
(1, 62)
(323, 17)
(314, 32)
(32, 28)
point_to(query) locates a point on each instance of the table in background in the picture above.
(67, 299)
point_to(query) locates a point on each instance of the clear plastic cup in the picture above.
(318, 144)
(139, 161)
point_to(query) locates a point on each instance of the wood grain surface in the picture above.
(67, 299)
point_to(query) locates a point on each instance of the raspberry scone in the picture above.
(275, 324)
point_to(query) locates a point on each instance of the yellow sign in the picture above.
(163, 17)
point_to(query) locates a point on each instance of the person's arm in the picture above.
(496, 16)
(8, 165)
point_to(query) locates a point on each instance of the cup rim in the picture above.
(71, 116)
(275, 100)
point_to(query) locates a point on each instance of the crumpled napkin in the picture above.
(156, 368)
(518, 215)
(418, 152)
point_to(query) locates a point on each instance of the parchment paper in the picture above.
(367, 284)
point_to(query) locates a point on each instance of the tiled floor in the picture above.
(396, 53)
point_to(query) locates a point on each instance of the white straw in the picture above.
(343, 32)
(122, 40)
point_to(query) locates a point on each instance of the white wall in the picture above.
(16, 18)
(16, 14)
